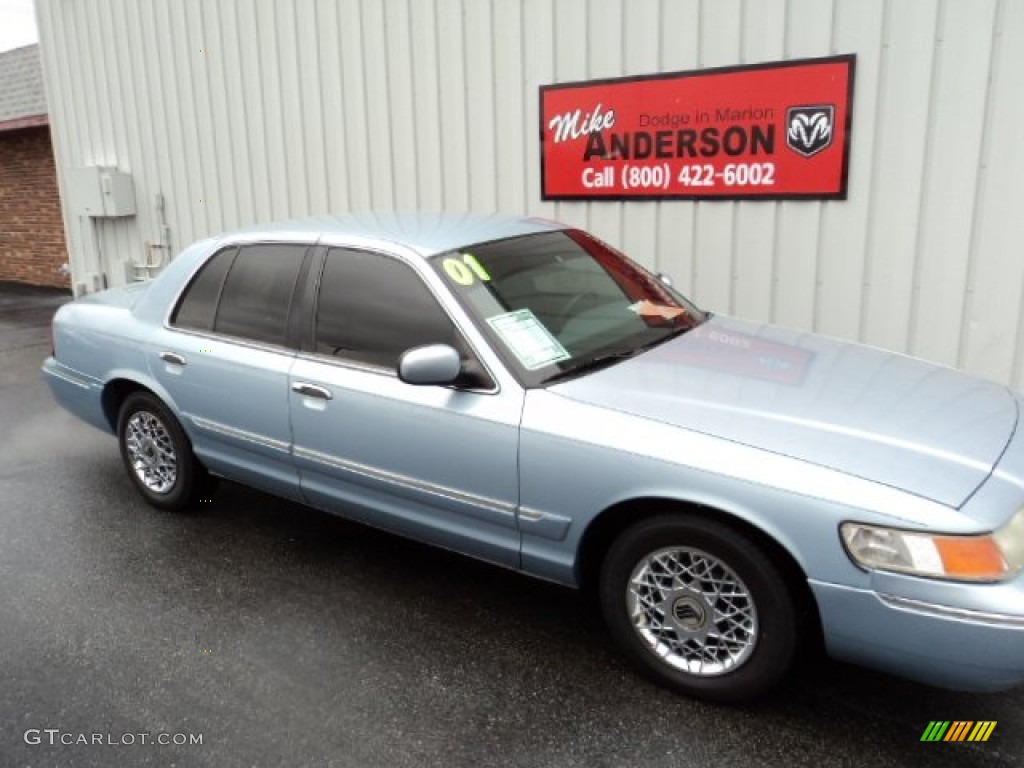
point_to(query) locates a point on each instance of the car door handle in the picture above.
(173, 358)
(312, 390)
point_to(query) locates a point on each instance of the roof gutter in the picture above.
(26, 121)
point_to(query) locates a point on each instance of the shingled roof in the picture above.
(22, 99)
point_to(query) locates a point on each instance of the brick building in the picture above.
(32, 247)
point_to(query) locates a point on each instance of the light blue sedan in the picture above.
(518, 391)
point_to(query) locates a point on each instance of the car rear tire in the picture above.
(699, 608)
(157, 454)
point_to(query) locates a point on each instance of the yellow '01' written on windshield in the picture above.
(466, 270)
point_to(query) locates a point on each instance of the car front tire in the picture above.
(157, 454)
(699, 608)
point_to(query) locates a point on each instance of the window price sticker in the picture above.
(528, 339)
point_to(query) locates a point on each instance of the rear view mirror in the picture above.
(432, 365)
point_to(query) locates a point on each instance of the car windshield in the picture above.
(558, 304)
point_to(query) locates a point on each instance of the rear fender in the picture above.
(137, 380)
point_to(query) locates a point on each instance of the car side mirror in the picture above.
(432, 365)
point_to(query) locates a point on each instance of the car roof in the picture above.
(424, 233)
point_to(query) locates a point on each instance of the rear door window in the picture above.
(257, 293)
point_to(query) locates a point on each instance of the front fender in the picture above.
(577, 461)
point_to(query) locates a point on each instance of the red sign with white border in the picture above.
(778, 130)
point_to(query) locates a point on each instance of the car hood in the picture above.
(926, 429)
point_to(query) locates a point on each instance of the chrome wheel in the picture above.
(150, 452)
(692, 611)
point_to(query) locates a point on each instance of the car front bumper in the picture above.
(942, 645)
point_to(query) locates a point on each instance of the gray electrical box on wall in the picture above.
(101, 192)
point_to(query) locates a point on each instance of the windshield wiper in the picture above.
(593, 363)
(675, 332)
(610, 358)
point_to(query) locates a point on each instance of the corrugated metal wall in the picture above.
(249, 110)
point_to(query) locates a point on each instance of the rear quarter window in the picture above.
(198, 306)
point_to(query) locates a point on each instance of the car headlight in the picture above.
(990, 557)
(1010, 539)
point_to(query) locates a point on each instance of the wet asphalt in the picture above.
(282, 636)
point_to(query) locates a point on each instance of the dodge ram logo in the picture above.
(809, 129)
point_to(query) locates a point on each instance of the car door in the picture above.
(225, 357)
(435, 463)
